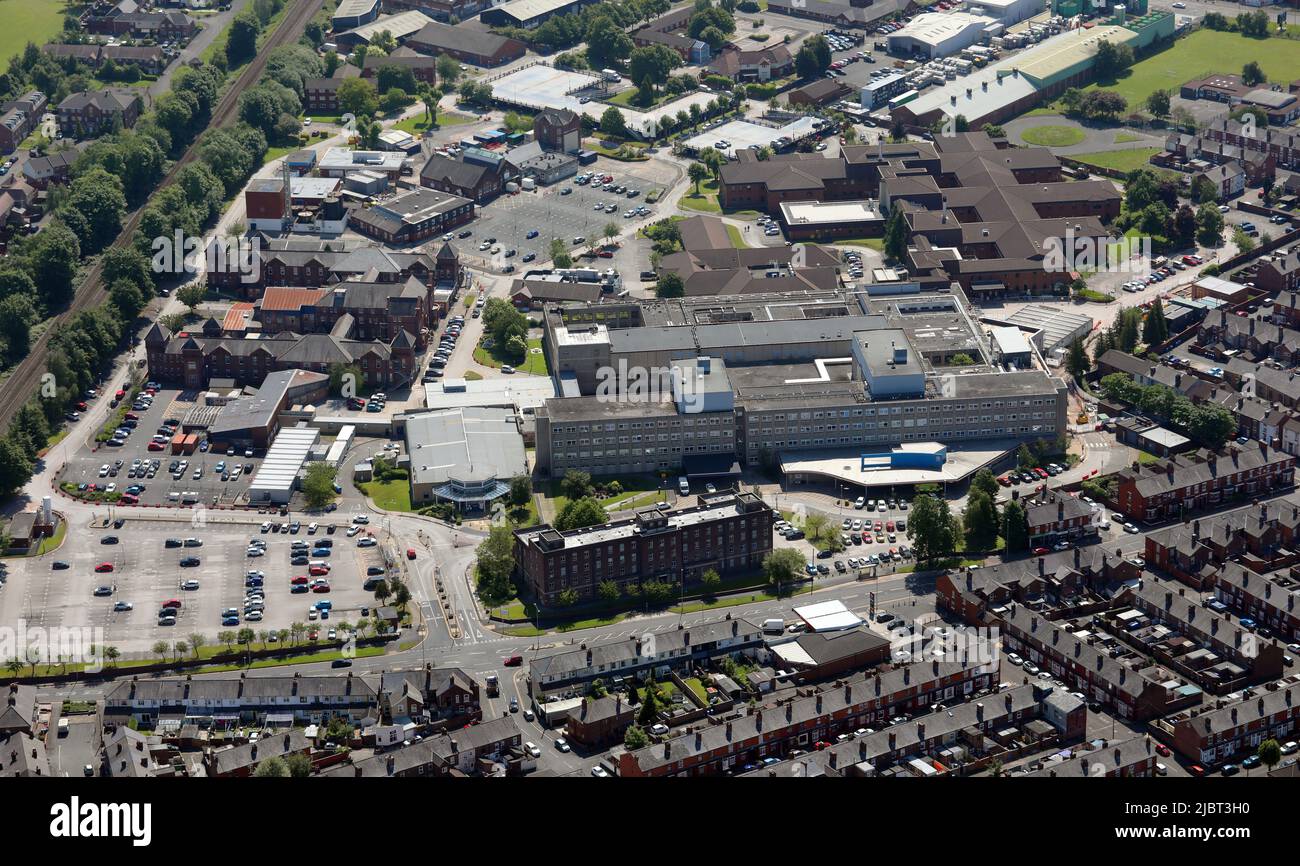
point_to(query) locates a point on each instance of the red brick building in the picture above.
(674, 546)
(808, 718)
(1192, 482)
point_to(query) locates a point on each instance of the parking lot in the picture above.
(208, 477)
(549, 213)
(862, 541)
(146, 573)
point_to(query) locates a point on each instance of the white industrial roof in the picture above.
(400, 25)
(285, 458)
(828, 616)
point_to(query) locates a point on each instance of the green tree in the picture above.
(357, 96)
(1015, 527)
(613, 123)
(635, 738)
(710, 580)
(579, 513)
(1209, 225)
(448, 69)
(192, 295)
(896, 235)
(272, 768)
(496, 565)
(299, 765)
(607, 591)
(576, 484)
(1252, 74)
(980, 521)
(813, 57)
(1269, 752)
(241, 39)
(782, 566)
(1076, 361)
(669, 285)
(1158, 103)
(649, 712)
(521, 490)
(697, 172)
(931, 529)
(653, 63)
(1155, 329)
(318, 484)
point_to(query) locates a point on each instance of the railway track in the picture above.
(22, 383)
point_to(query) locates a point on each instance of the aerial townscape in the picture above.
(763, 388)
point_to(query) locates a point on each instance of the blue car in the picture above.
(532, 234)
(322, 551)
(1247, 622)
(230, 620)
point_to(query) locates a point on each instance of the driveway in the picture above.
(1095, 139)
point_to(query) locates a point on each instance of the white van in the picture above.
(773, 626)
(683, 486)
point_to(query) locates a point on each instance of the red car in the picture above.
(129, 499)
(321, 587)
(513, 661)
(131, 416)
(1196, 770)
(318, 570)
(1004, 481)
(822, 744)
(1040, 472)
(1040, 551)
(104, 566)
(119, 395)
(410, 553)
(300, 579)
(172, 602)
(82, 406)
(889, 527)
(1162, 750)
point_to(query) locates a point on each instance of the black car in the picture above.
(374, 569)
(172, 542)
(330, 529)
(60, 565)
(298, 560)
(108, 539)
(465, 234)
(189, 562)
(341, 663)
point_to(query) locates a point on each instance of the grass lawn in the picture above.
(417, 125)
(1125, 137)
(534, 363)
(1199, 54)
(392, 495)
(705, 201)
(1050, 135)
(737, 240)
(877, 244)
(28, 21)
(624, 99)
(696, 686)
(1120, 160)
(274, 153)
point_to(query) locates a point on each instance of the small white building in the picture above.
(277, 477)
